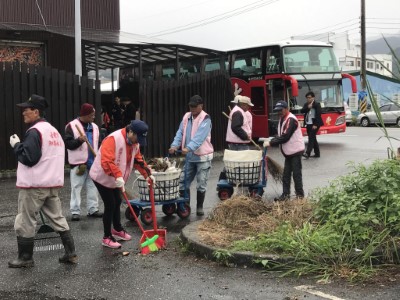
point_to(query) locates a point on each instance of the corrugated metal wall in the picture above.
(61, 13)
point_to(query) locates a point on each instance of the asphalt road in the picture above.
(104, 273)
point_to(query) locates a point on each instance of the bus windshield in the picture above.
(328, 93)
(309, 59)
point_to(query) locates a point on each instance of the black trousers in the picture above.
(312, 140)
(293, 166)
(112, 208)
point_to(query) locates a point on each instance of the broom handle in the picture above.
(87, 142)
(133, 213)
(153, 207)
(251, 140)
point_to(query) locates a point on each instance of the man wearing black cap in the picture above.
(79, 133)
(292, 147)
(40, 175)
(194, 138)
(118, 154)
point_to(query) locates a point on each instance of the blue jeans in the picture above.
(92, 198)
(200, 170)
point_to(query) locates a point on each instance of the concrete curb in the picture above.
(190, 237)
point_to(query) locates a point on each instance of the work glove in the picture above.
(120, 183)
(14, 139)
(151, 180)
(266, 144)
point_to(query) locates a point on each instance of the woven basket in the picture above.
(166, 187)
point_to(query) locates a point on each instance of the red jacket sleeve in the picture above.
(108, 158)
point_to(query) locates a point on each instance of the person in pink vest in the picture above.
(194, 138)
(292, 147)
(78, 133)
(239, 130)
(118, 154)
(40, 176)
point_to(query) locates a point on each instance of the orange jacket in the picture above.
(108, 158)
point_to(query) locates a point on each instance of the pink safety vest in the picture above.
(96, 171)
(49, 171)
(233, 138)
(205, 148)
(80, 155)
(296, 143)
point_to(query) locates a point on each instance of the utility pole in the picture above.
(78, 39)
(363, 74)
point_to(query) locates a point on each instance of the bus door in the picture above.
(276, 90)
(258, 95)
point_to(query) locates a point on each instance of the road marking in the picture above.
(309, 289)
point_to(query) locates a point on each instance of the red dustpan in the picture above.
(149, 242)
(161, 241)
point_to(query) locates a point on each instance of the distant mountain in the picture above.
(379, 46)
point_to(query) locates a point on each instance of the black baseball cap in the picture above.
(36, 102)
(140, 128)
(281, 104)
(195, 100)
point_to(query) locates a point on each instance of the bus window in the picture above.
(328, 93)
(246, 64)
(309, 59)
(213, 64)
(273, 60)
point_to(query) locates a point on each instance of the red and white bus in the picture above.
(287, 71)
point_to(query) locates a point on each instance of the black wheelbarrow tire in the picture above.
(128, 213)
(225, 193)
(183, 210)
(169, 209)
(146, 216)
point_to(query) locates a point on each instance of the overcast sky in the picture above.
(232, 24)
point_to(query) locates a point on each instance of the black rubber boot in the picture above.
(200, 201)
(25, 253)
(70, 256)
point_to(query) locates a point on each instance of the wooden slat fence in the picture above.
(64, 92)
(165, 102)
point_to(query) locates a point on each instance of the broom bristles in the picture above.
(151, 244)
(275, 169)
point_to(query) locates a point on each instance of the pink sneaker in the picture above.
(110, 242)
(121, 235)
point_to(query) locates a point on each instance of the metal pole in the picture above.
(363, 76)
(78, 37)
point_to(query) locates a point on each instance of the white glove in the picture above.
(120, 183)
(151, 179)
(266, 144)
(14, 139)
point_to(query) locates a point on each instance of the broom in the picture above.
(47, 239)
(150, 242)
(273, 167)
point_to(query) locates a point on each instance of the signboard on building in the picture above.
(353, 102)
(29, 53)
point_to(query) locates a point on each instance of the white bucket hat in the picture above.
(245, 100)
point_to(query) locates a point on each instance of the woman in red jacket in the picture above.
(118, 154)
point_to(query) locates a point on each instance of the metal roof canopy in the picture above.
(105, 49)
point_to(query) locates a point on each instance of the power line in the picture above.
(217, 18)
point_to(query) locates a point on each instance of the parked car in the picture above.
(390, 115)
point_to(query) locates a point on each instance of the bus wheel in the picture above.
(364, 122)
